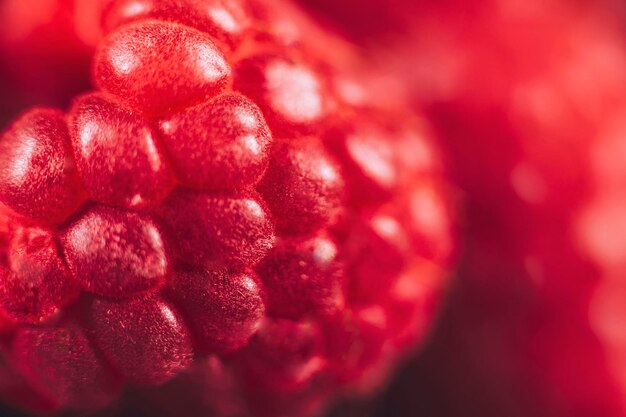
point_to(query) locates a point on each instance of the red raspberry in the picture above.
(222, 207)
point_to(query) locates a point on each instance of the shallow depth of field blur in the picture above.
(529, 99)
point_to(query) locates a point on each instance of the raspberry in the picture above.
(283, 356)
(290, 93)
(218, 209)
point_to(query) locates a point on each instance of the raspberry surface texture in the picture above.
(231, 217)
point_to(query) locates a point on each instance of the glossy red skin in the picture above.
(413, 303)
(115, 253)
(303, 277)
(144, 339)
(371, 165)
(303, 186)
(223, 309)
(235, 230)
(377, 249)
(226, 21)
(117, 154)
(34, 281)
(290, 94)
(292, 351)
(121, 66)
(38, 177)
(221, 144)
(355, 344)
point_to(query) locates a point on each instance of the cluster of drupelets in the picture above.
(224, 204)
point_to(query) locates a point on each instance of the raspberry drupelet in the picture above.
(218, 209)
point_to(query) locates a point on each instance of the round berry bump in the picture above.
(354, 342)
(369, 161)
(375, 254)
(222, 309)
(221, 144)
(428, 222)
(60, 363)
(290, 94)
(303, 186)
(302, 277)
(144, 339)
(160, 66)
(115, 253)
(218, 230)
(225, 20)
(412, 303)
(34, 282)
(284, 355)
(116, 153)
(37, 175)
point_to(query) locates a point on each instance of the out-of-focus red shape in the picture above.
(42, 59)
(529, 97)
